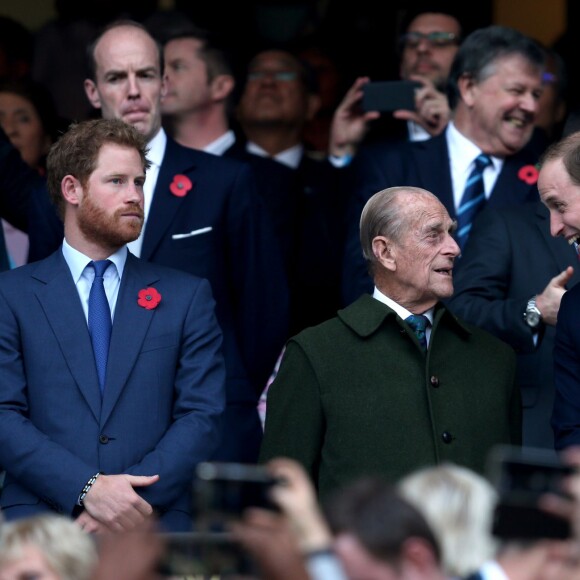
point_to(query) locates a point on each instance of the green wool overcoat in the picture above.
(356, 396)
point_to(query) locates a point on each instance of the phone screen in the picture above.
(388, 96)
(521, 477)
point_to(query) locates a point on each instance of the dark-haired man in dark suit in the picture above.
(496, 81)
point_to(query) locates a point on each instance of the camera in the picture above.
(521, 476)
(225, 490)
(388, 96)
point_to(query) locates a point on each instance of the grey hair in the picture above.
(67, 549)
(385, 214)
(458, 504)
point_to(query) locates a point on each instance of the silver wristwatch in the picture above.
(532, 315)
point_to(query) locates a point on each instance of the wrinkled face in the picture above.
(503, 106)
(23, 127)
(562, 198)
(358, 563)
(274, 91)
(128, 79)
(186, 79)
(424, 257)
(110, 206)
(31, 565)
(430, 59)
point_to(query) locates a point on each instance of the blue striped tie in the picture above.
(473, 199)
(100, 320)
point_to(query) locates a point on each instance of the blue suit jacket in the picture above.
(421, 164)
(510, 256)
(163, 398)
(240, 257)
(566, 415)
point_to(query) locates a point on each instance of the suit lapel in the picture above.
(165, 205)
(130, 327)
(431, 159)
(60, 301)
(509, 189)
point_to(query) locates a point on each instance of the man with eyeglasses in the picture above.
(279, 96)
(426, 50)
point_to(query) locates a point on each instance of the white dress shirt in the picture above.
(462, 154)
(402, 312)
(83, 275)
(220, 145)
(155, 155)
(290, 157)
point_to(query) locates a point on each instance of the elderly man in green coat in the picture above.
(396, 381)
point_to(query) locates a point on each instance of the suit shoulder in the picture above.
(206, 159)
(152, 269)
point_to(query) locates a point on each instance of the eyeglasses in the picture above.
(438, 39)
(278, 75)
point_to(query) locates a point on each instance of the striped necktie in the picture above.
(473, 199)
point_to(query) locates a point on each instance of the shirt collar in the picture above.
(290, 157)
(401, 311)
(77, 261)
(491, 570)
(156, 148)
(462, 151)
(221, 144)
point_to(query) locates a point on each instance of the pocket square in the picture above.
(192, 233)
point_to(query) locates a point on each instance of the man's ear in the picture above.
(71, 189)
(222, 87)
(419, 555)
(384, 254)
(467, 87)
(92, 93)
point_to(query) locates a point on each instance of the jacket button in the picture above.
(103, 439)
(434, 381)
(446, 437)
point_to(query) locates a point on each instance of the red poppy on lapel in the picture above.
(528, 174)
(180, 185)
(148, 298)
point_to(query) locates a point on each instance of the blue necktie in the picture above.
(100, 320)
(473, 199)
(419, 323)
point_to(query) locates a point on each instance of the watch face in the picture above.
(532, 318)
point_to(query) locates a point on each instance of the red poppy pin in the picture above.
(180, 185)
(528, 174)
(148, 298)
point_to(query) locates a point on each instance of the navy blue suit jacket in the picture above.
(566, 416)
(509, 257)
(163, 397)
(422, 164)
(241, 258)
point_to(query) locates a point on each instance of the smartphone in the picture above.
(388, 96)
(521, 476)
(224, 490)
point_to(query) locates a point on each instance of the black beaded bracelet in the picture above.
(87, 488)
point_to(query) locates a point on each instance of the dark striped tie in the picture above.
(473, 199)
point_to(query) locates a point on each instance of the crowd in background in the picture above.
(285, 116)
